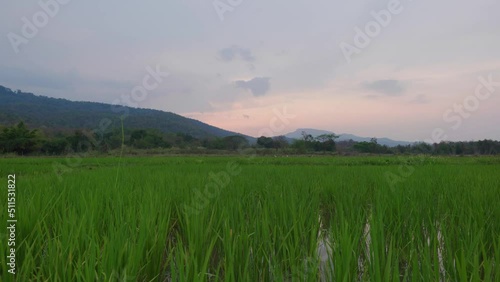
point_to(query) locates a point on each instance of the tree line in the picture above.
(21, 140)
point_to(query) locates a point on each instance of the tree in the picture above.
(235, 142)
(18, 139)
(326, 142)
(299, 145)
(368, 147)
(280, 142)
(54, 146)
(214, 143)
(137, 135)
(80, 141)
(147, 139)
(307, 137)
(327, 137)
(266, 142)
(421, 148)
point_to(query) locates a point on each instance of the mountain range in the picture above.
(297, 134)
(46, 112)
(55, 113)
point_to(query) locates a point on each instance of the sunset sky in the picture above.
(235, 63)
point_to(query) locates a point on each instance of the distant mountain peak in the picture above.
(297, 134)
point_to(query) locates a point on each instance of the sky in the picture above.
(406, 70)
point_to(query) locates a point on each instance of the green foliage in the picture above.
(147, 139)
(278, 142)
(235, 142)
(265, 142)
(18, 139)
(56, 146)
(80, 141)
(322, 143)
(370, 147)
(300, 145)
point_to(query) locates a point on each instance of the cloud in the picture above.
(420, 99)
(259, 86)
(388, 87)
(231, 53)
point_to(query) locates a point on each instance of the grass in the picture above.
(255, 219)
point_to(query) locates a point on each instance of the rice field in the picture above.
(254, 219)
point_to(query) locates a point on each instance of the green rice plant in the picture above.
(277, 219)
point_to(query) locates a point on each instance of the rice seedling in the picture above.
(277, 219)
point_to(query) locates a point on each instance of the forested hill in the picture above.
(41, 111)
